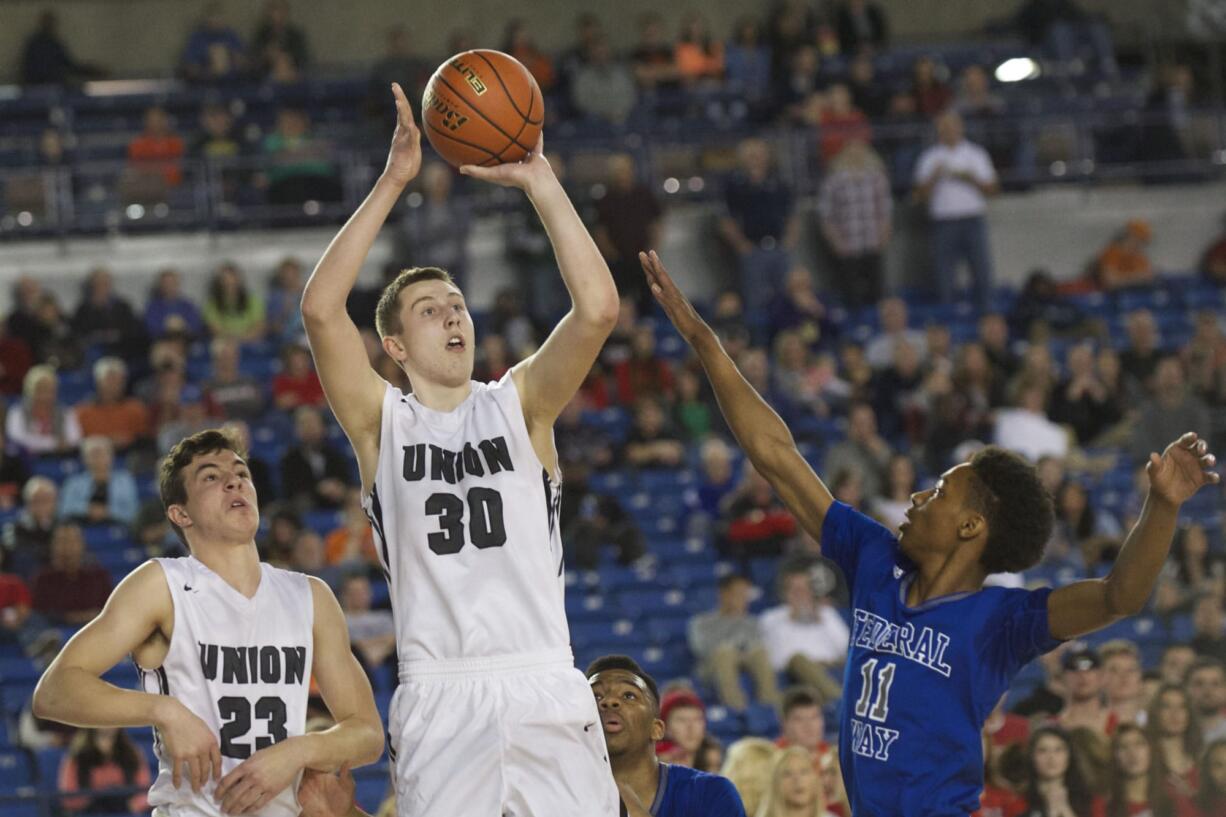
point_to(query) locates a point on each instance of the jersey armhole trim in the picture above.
(174, 624)
(556, 476)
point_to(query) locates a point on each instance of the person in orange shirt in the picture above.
(697, 56)
(104, 759)
(1124, 263)
(352, 542)
(112, 414)
(157, 150)
(519, 44)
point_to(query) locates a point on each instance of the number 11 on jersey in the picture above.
(868, 739)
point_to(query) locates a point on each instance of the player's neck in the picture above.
(640, 771)
(945, 577)
(237, 565)
(438, 397)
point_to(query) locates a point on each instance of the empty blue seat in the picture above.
(16, 773)
(762, 719)
(18, 670)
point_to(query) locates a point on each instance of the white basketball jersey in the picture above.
(466, 525)
(243, 666)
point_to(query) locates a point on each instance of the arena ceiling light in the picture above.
(1017, 69)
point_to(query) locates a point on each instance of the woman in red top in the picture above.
(1212, 797)
(297, 384)
(1176, 737)
(104, 759)
(1055, 785)
(1137, 787)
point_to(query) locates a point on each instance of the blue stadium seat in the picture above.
(664, 630)
(98, 537)
(370, 788)
(762, 719)
(607, 631)
(18, 670)
(16, 773)
(47, 763)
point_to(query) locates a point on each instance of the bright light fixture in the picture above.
(1017, 69)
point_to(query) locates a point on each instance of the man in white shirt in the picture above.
(955, 177)
(1026, 428)
(805, 636)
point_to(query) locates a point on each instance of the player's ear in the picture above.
(657, 730)
(178, 514)
(971, 524)
(394, 348)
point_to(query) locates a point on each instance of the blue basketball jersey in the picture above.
(686, 792)
(920, 681)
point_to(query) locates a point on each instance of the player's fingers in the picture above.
(227, 783)
(175, 777)
(1202, 447)
(235, 797)
(1208, 460)
(1188, 439)
(540, 144)
(196, 773)
(215, 761)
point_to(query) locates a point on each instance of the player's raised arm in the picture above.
(762, 434)
(72, 690)
(354, 390)
(355, 739)
(549, 379)
(1174, 477)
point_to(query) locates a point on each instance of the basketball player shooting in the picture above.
(226, 647)
(460, 480)
(932, 649)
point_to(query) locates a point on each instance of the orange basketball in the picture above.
(482, 107)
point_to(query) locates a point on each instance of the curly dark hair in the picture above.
(624, 662)
(1005, 488)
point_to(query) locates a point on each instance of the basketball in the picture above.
(483, 108)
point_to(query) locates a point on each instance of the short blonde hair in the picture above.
(387, 312)
(748, 765)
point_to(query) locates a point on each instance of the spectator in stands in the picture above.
(1165, 132)
(283, 530)
(308, 555)
(900, 400)
(863, 451)
(716, 481)
(802, 724)
(805, 636)
(1211, 799)
(508, 319)
(1204, 358)
(300, 165)
(1207, 619)
(168, 309)
(217, 141)
(1176, 660)
(1206, 687)
(1213, 260)
(13, 475)
(1192, 571)
(685, 727)
(39, 424)
(105, 319)
(644, 374)
(1083, 693)
(214, 51)
(694, 412)
(932, 94)
(861, 26)
(1081, 399)
(1172, 405)
(747, 65)
(1175, 736)
(46, 60)
(839, 122)
(27, 537)
(1047, 699)
(284, 310)
(277, 35)
(729, 639)
(1056, 784)
(1123, 262)
(748, 766)
(372, 632)
(437, 231)
(603, 88)
(868, 92)
(493, 358)
(653, 59)
(856, 215)
(652, 442)
(16, 358)
(795, 788)
(314, 473)
(760, 224)
(518, 42)
(588, 29)
(729, 321)
(955, 177)
(629, 704)
(892, 315)
(1140, 357)
(1125, 695)
(797, 382)
(1090, 533)
(69, 590)
(847, 487)
(699, 57)
(112, 413)
(155, 160)
(798, 308)
(353, 542)
(590, 520)
(1041, 309)
(22, 322)
(629, 218)
(101, 493)
(1025, 428)
(231, 309)
(400, 64)
(798, 96)
(890, 506)
(229, 393)
(975, 99)
(101, 759)
(994, 336)
(756, 524)
(1137, 786)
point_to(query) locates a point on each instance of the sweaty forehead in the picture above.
(432, 288)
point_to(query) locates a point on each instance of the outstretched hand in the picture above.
(678, 307)
(1182, 470)
(522, 174)
(404, 157)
